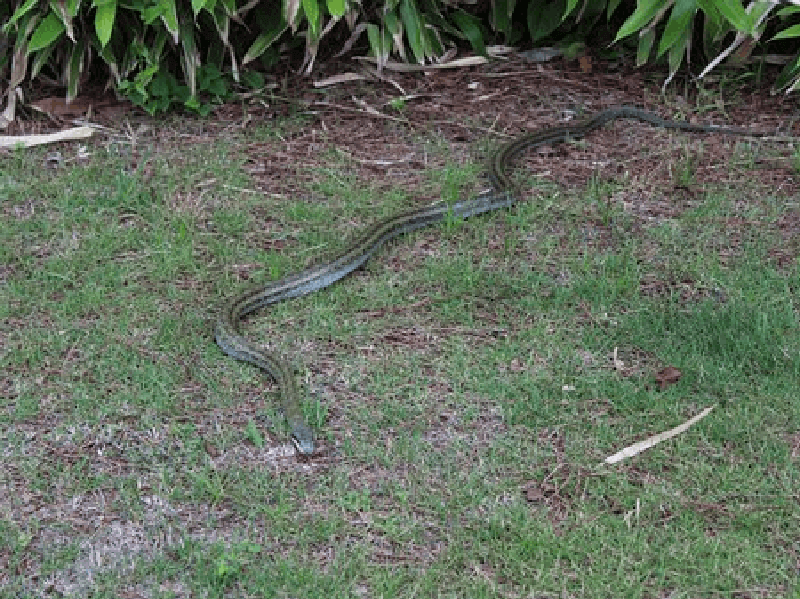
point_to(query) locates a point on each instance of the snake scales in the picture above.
(231, 341)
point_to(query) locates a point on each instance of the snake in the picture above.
(501, 195)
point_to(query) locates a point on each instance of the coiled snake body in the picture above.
(232, 342)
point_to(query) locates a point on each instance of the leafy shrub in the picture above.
(191, 52)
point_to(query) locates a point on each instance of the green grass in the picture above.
(462, 386)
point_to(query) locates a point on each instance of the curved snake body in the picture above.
(231, 341)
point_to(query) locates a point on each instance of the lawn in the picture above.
(465, 386)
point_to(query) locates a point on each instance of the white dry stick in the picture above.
(340, 78)
(26, 141)
(401, 67)
(639, 447)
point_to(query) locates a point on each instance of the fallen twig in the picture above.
(639, 447)
(27, 141)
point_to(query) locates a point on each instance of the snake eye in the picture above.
(303, 447)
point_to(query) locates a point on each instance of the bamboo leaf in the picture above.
(107, 54)
(676, 54)
(18, 14)
(501, 19)
(679, 23)
(789, 77)
(41, 58)
(395, 28)
(104, 21)
(291, 8)
(75, 69)
(544, 18)
(379, 49)
(72, 7)
(19, 60)
(735, 13)
(433, 43)
(612, 7)
(169, 15)
(191, 56)
(645, 46)
(263, 42)
(644, 13)
(789, 32)
(470, 27)
(47, 32)
(311, 8)
(414, 25)
(60, 9)
(510, 6)
(337, 8)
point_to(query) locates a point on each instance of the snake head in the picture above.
(303, 440)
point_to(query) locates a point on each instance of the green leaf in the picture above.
(712, 15)
(75, 69)
(169, 14)
(190, 55)
(374, 36)
(433, 45)
(414, 25)
(500, 15)
(644, 13)
(715, 28)
(160, 86)
(72, 7)
(253, 80)
(47, 32)
(107, 54)
(222, 22)
(291, 8)
(793, 31)
(510, 6)
(104, 21)
(210, 79)
(788, 76)
(678, 25)
(571, 4)
(676, 53)
(645, 47)
(734, 12)
(612, 7)
(470, 27)
(263, 42)
(60, 9)
(378, 43)
(198, 5)
(544, 18)
(392, 23)
(151, 14)
(395, 29)
(311, 8)
(40, 60)
(337, 8)
(18, 14)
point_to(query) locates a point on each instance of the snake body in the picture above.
(231, 341)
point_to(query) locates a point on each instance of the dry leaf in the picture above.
(668, 376)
